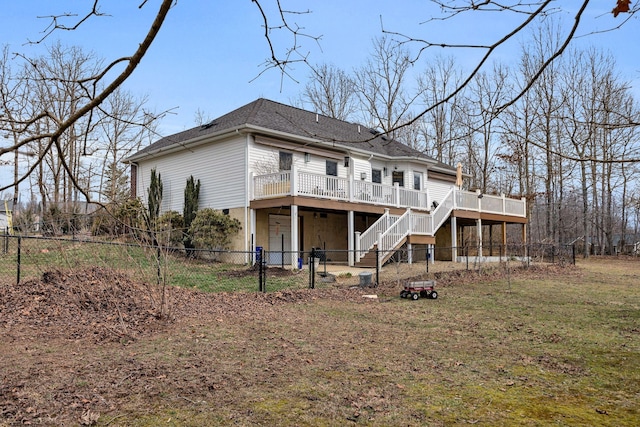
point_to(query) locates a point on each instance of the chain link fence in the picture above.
(24, 258)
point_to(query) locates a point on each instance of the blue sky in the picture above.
(208, 54)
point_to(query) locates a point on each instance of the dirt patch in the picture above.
(106, 305)
(99, 303)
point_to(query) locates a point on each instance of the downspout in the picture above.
(133, 180)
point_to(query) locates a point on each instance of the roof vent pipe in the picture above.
(316, 117)
(358, 128)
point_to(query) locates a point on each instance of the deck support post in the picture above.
(351, 237)
(252, 233)
(454, 239)
(479, 234)
(504, 239)
(295, 232)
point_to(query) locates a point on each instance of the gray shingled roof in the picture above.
(273, 116)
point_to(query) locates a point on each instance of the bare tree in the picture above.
(381, 86)
(487, 92)
(201, 117)
(52, 81)
(14, 102)
(123, 126)
(330, 91)
(441, 128)
(45, 129)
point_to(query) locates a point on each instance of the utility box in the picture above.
(365, 278)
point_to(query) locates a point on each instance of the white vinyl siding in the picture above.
(438, 189)
(265, 160)
(219, 166)
(361, 166)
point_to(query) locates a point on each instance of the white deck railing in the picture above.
(287, 183)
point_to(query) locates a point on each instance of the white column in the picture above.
(252, 232)
(351, 234)
(454, 239)
(409, 253)
(295, 249)
(294, 182)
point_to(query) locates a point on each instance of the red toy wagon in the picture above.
(415, 290)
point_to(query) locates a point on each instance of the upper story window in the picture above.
(332, 168)
(286, 159)
(398, 176)
(417, 180)
(376, 176)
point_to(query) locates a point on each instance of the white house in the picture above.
(296, 180)
(6, 207)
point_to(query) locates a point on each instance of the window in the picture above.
(286, 159)
(376, 176)
(417, 180)
(398, 176)
(332, 168)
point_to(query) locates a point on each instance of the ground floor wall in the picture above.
(330, 230)
(323, 230)
(444, 243)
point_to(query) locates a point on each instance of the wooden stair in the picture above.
(369, 259)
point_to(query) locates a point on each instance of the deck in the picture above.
(285, 184)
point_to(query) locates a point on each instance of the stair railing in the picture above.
(369, 237)
(388, 240)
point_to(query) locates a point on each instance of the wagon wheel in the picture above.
(415, 296)
(434, 295)
(403, 294)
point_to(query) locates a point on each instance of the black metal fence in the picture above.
(30, 257)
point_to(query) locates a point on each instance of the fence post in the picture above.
(264, 271)
(259, 260)
(466, 249)
(312, 268)
(428, 256)
(18, 260)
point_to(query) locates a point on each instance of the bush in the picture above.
(26, 221)
(211, 229)
(171, 229)
(117, 219)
